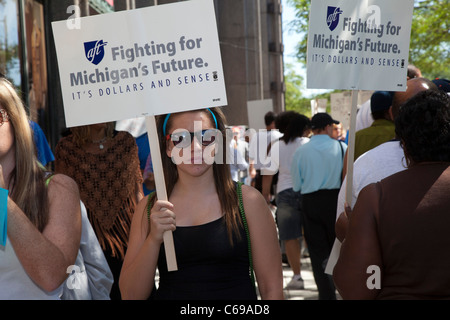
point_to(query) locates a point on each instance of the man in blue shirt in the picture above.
(317, 173)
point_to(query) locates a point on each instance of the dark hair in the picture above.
(282, 120)
(269, 117)
(292, 125)
(225, 188)
(423, 126)
(380, 114)
(413, 71)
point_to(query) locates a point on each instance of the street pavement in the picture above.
(310, 292)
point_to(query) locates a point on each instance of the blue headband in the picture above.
(168, 115)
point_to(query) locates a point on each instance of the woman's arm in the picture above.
(139, 267)
(266, 184)
(360, 248)
(265, 247)
(46, 256)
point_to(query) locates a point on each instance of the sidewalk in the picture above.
(310, 291)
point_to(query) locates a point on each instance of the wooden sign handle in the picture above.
(160, 183)
(334, 255)
(351, 148)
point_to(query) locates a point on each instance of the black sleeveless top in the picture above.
(209, 267)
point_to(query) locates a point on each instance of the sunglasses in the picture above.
(183, 139)
(3, 117)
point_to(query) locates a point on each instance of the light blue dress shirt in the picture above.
(317, 165)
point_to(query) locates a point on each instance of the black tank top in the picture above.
(209, 267)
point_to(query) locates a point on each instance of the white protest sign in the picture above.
(155, 60)
(359, 44)
(256, 110)
(144, 62)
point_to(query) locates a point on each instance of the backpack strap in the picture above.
(244, 222)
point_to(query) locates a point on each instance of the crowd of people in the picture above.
(87, 223)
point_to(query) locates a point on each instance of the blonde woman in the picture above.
(43, 215)
(208, 213)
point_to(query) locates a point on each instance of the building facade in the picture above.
(250, 35)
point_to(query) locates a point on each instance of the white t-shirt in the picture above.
(373, 166)
(283, 161)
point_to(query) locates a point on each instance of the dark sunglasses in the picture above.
(183, 139)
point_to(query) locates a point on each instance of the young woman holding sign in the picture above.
(220, 228)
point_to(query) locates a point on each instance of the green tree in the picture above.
(430, 36)
(294, 99)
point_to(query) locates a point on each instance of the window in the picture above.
(9, 41)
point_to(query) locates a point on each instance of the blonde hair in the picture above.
(28, 189)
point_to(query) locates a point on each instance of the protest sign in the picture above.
(256, 110)
(359, 44)
(145, 62)
(150, 61)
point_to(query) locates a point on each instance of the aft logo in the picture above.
(333, 17)
(94, 51)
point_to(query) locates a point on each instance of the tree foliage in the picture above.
(430, 36)
(294, 99)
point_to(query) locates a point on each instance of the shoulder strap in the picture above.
(342, 149)
(244, 221)
(48, 178)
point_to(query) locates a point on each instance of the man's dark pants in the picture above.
(319, 218)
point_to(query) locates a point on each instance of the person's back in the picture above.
(379, 132)
(413, 227)
(401, 224)
(320, 164)
(382, 129)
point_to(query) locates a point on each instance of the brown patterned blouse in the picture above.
(109, 179)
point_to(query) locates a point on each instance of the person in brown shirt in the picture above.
(395, 241)
(105, 165)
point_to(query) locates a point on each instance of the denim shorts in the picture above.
(288, 215)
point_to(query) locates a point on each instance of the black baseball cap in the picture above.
(381, 101)
(321, 120)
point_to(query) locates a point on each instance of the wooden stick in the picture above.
(351, 148)
(334, 255)
(160, 183)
